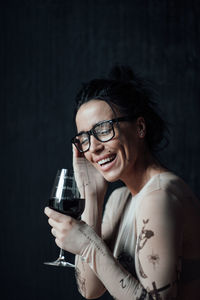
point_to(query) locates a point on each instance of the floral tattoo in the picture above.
(154, 259)
(145, 234)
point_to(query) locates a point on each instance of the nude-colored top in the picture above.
(153, 239)
(121, 214)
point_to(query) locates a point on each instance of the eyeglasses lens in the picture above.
(102, 132)
(82, 142)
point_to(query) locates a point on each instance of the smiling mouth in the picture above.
(107, 160)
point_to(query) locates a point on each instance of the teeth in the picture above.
(105, 160)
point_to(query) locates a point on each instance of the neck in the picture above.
(143, 170)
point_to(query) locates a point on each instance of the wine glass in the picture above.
(65, 198)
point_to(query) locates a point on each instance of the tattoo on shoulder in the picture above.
(144, 235)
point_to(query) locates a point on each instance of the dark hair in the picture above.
(132, 96)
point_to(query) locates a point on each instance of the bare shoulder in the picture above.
(168, 188)
(160, 194)
(171, 199)
(190, 207)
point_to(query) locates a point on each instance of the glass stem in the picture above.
(61, 255)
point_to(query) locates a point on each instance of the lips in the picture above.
(106, 160)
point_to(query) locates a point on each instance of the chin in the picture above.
(114, 179)
(111, 176)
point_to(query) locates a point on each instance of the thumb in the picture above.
(76, 155)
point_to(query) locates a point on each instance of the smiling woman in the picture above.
(110, 156)
(144, 246)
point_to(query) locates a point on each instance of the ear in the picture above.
(141, 127)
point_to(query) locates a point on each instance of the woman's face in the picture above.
(114, 159)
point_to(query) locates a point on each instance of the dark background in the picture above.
(48, 48)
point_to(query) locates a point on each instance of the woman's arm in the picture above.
(157, 251)
(87, 281)
(159, 244)
(92, 187)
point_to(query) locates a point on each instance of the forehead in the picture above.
(91, 113)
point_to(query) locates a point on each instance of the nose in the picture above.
(95, 145)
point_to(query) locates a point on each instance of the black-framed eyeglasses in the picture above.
(102, 131)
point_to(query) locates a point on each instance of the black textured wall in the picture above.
(48, 48)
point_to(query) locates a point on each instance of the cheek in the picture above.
(129, 148)
(114, 146)
(88, 156)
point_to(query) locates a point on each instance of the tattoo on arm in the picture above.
(123, 285)
(143, 295)
(152, 294)
(154, 259)
(80, 281)
(156, 292)
(92, 241)
(145, 234)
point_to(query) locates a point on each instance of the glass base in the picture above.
(60, 262)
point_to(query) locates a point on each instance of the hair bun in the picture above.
(121, 73)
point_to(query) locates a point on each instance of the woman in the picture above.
(147, 245)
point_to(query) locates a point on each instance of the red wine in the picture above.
(71, 207)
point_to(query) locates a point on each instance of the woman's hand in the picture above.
(68, 232)
(90, 182)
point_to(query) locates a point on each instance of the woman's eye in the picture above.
(104, 131)
(84, 141)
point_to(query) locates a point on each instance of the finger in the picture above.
(54, 214)
(58, 243)
(59, 226)
(76, 153)
(75, 156)
(57, 234)
(54, 224)
(53, 231)
(59, 240)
